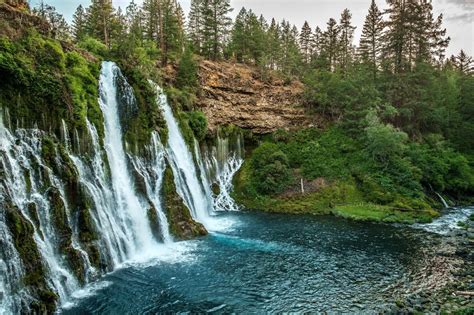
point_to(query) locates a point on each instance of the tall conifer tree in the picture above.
(371, 41)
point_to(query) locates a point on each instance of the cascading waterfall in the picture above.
(24, 177)
(189, 187)
(152, 171)
(221, 163)
(119, 189)
(114, 235)
(443, 201)
(126, 199)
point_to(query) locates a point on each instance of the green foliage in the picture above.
(198, 123)
(149, 117)
(187, 77)
(182, 225)
(82, 82)
(61, 85)
(349, 96)
(94, 46)
(371, 212)
(270, 169)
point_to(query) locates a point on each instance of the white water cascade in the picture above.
(221, 163)
(188, 185)
(115, 236)
(127, 202)
(443, 201)
(48, 183)
(23, 180)
(152, 171)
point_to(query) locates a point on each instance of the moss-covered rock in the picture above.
(153, 219)
(64, 234)
(182, 225)
(61, 83)
(147, 118)
(23, 237)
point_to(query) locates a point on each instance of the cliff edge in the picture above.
(235, 94)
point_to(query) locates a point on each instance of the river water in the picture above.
(266, 263)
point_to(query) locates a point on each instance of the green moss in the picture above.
(182, 100)
(46, 84)
(182, 225)
(64, 233)
(82, 81)
(186, 130)
(149, 117)
(198, 123)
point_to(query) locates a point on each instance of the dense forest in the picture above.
(398, 111)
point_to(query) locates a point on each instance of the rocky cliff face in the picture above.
(15, 17)
(235, 94)
(19, 4)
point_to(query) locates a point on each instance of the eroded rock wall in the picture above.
(236, 94)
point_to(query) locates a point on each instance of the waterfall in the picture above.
(114, 234)
(127, 201)
(222, 162)
(24, 177)
(189, 187)
(152, 171)
(117, 191)
(443, 201)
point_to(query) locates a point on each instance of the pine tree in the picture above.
(171, 31)
(346, 41)
(153, 21)
(330, 43)
(239, 36)
(413, 34)
(463, 63)
(274, 45)
(79, 19)
(187, 77)
(305, 42)
(100, 17)
(439, 41)
(396, 37)
(215, 26)
(58, 26)
(134, 21)
(195, 24)
(371, 41)
(316, 43)
(256, 37)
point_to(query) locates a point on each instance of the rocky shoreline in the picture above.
(444, 281)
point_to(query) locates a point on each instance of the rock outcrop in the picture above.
(15, 17)
(235, 94)
(19, 4)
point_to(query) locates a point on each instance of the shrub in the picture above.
(198, 123)
(271, 172)
(187, 77)
(94, 46)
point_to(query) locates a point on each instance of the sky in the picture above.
(458, 14)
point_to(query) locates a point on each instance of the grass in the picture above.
(378, 213)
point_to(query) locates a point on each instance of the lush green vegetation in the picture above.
(60, 84)
(399, 113)
(345, 173)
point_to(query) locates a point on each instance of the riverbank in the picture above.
(444, 280)
(341, 198)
